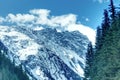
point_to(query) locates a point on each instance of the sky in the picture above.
(81, 15)
(89, 12)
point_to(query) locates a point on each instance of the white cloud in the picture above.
(1, 20)
(90, 33)
(87, 19)
(39, 12)
(101, 1)
(64, 20)
(42, 17)
(20, 18)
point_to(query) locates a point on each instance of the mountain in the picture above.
(45, 54)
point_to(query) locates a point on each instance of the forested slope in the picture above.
(8, 70)
(105, 63)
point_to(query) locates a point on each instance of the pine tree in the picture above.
(106, 23)
(112, 10)
(98, 38)
(89, 60)
(8, 71)
(106, 63)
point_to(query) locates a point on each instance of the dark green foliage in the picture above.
(89, 61)
(106, 23)
(101, 32)
(98, 38)
(112, 10)
(8, 71)
(106, 60)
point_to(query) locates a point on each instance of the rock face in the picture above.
(45, 54)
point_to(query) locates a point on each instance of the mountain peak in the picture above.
(46, 54)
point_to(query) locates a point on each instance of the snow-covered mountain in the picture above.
(45, 54)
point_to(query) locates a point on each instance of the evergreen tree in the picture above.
(89, 60)
(98, 38)
(112, 10)
(107, 59)
(8, 71)
(106, 23)
(106, 63)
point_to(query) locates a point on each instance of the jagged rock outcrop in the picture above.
(45, 54)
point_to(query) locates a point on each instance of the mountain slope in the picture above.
(46, 54)
(8, 71)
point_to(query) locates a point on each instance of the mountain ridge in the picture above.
(44, 55)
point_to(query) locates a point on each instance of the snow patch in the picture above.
(22, 45)
(38, 28)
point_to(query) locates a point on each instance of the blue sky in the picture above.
(89, 12)
(64, 15)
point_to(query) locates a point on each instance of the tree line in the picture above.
(103, 61)
(8, 70)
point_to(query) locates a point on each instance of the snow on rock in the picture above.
(38, 28)
(72, 58)
(46, 54)
(15, 40)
